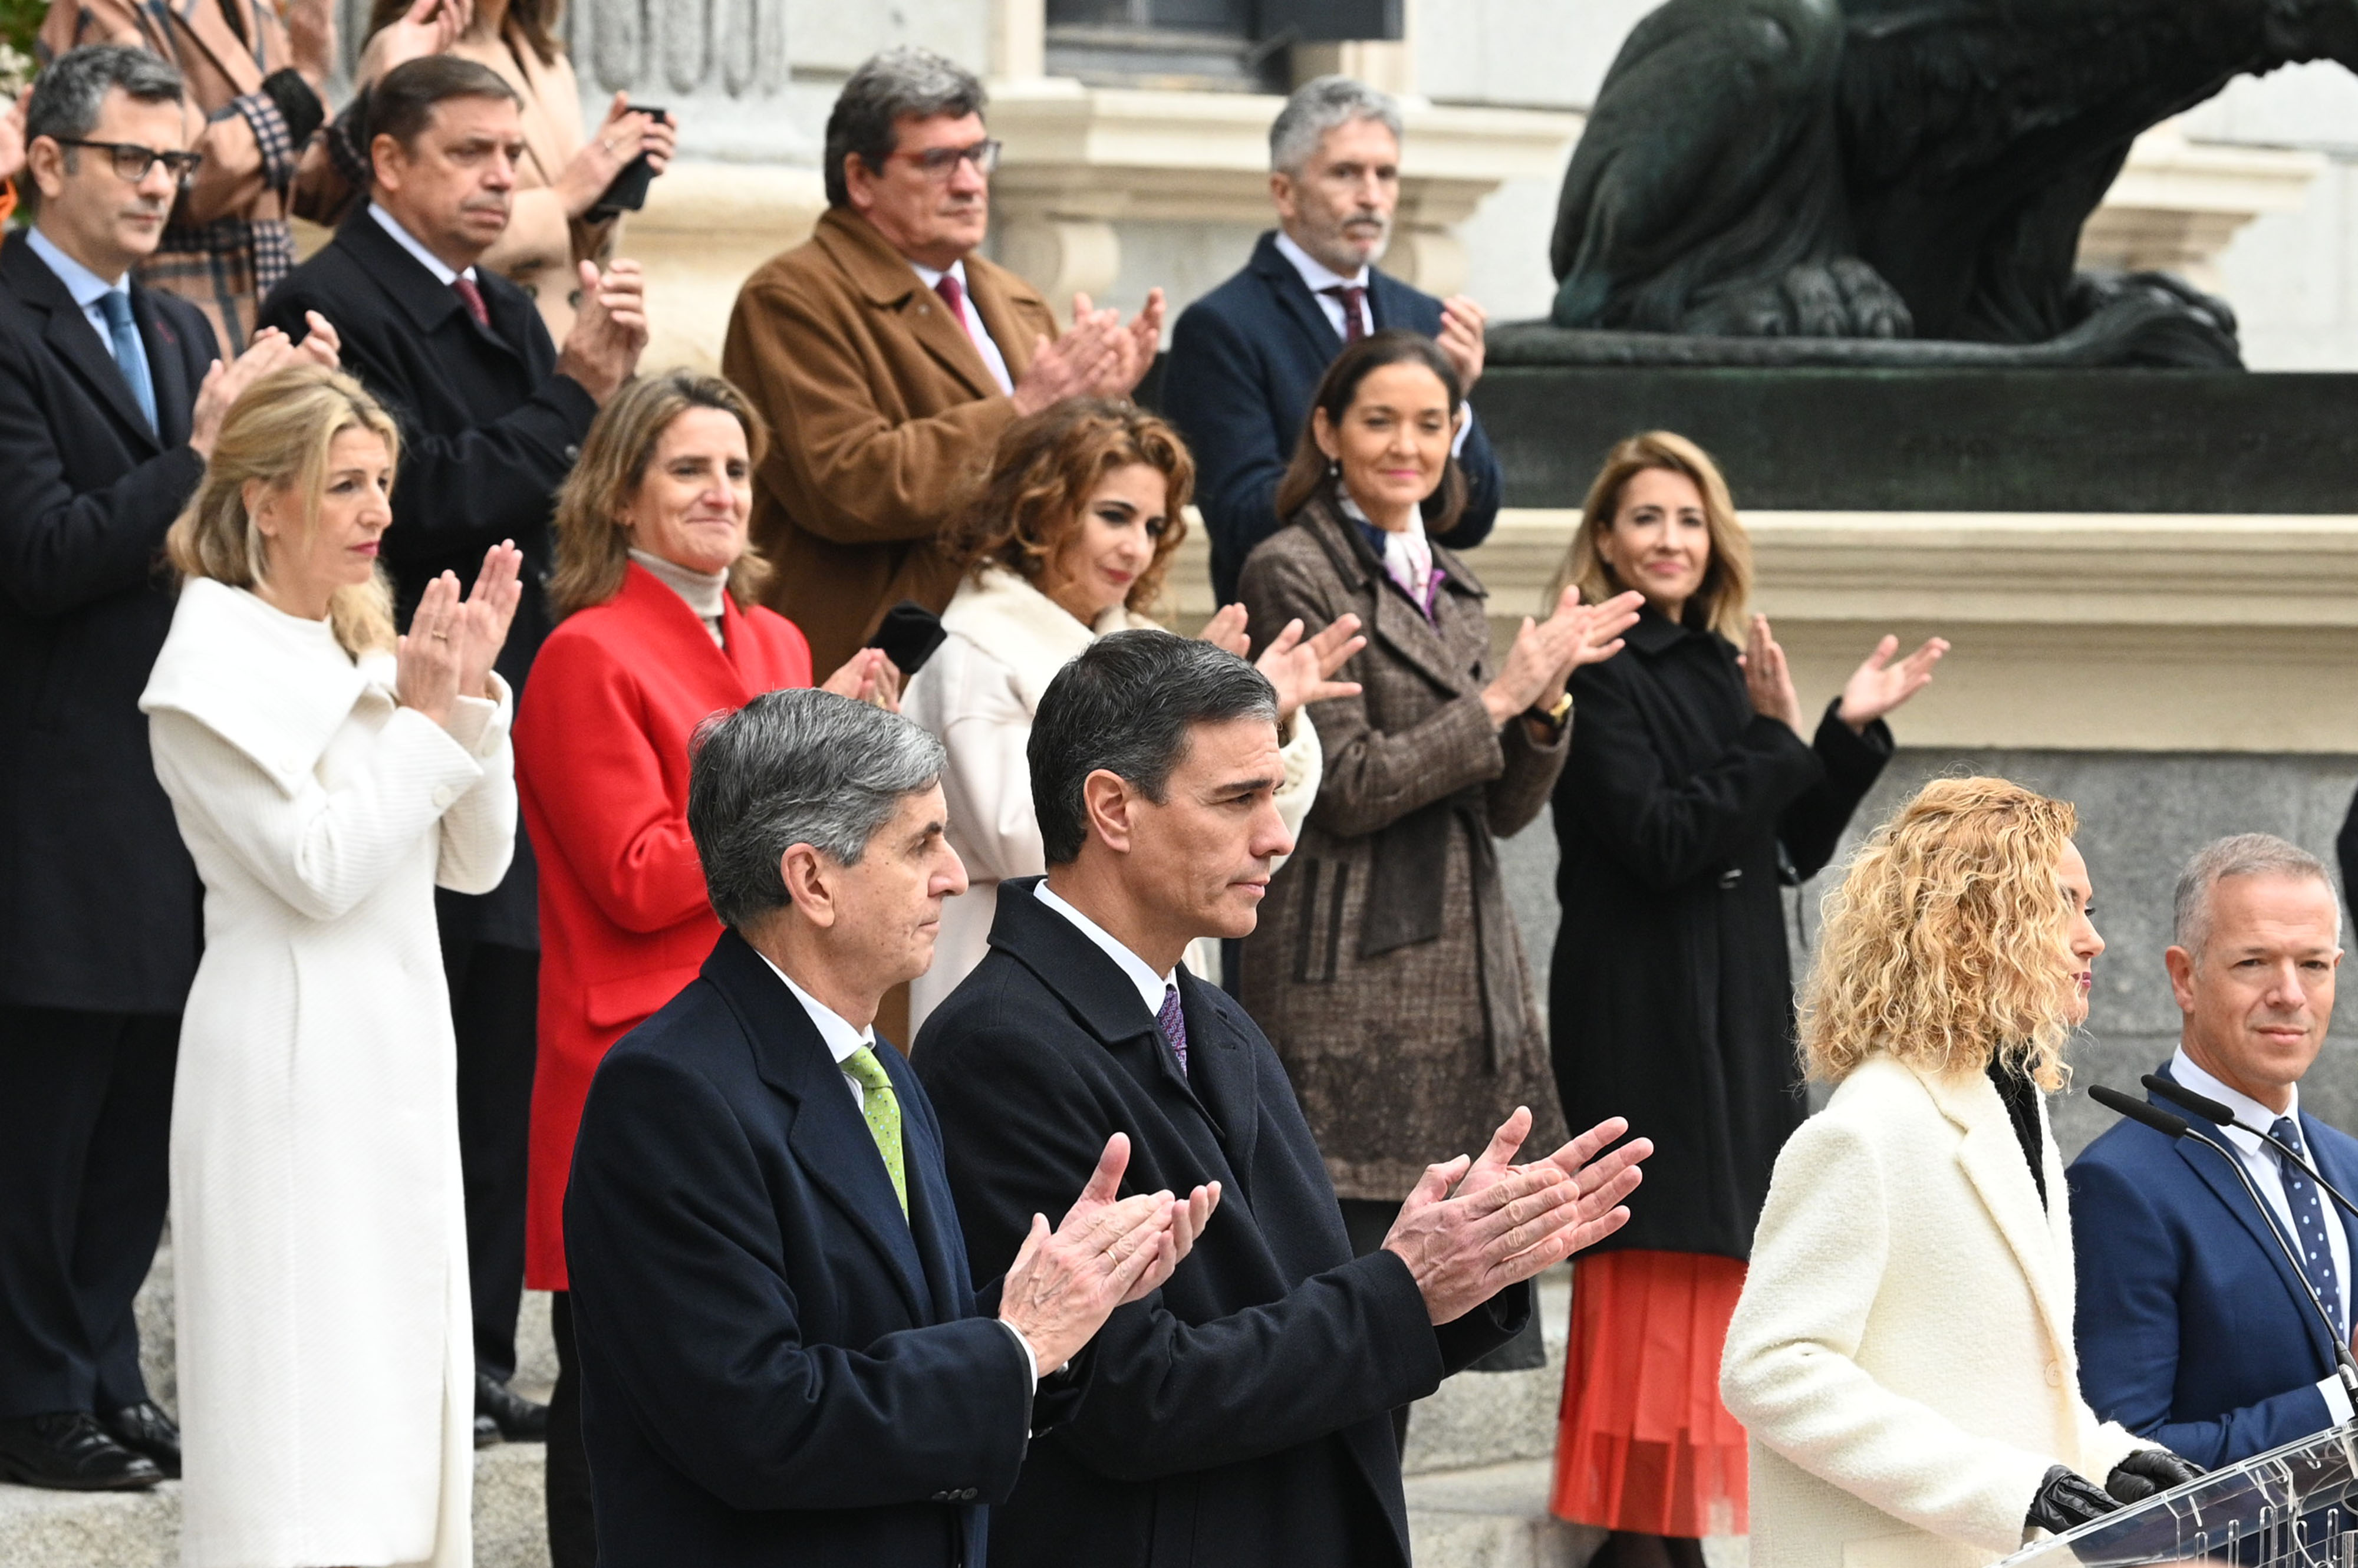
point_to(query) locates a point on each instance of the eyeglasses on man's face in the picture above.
(935, 163)
(133, 161)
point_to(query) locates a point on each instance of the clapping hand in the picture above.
(1461, 338)
(267, 351)
(1879, 686)
(481, 628)
(1301, 670)
(12, 135)
(1603, 1184)
(1065, 1283)
(428, 28)
(868, 675)
(1766, 680)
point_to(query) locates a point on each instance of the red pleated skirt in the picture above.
(1643, 1443)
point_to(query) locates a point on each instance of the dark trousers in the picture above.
(85, 1178)
(572, 1526)
(495, 1002)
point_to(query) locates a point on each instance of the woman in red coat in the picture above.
(654, 587)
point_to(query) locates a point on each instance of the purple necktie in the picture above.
(1174, 1026)
(1355, 322)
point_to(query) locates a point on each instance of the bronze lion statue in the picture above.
(1896, 169)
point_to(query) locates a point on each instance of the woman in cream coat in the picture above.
(1069, 539)
(327, 778)
(1902, 1353)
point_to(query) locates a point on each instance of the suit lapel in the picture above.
(987, 289)
(73, 339)
(1991, 1157)
(890, 285)
(2322, 1155)
(1220, 1075)
(1293, 296)
(2211, 1166)
(1393, 620)
(175, 398)
(828, 1134)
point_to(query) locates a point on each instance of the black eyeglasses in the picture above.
(133, 161)
(935, 163)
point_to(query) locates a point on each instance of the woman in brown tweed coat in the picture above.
(1386, 968)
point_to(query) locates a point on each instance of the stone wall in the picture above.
(2141, 817)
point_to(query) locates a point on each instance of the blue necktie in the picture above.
(130, 353)
(2309, 1222)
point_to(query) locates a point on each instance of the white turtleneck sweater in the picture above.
(704, 592)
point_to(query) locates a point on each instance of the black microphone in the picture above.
(2175, 1127)
(2211, 1109)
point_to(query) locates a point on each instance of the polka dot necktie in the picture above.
(2308, 1221)
(1174, 1025)
(881, 1107)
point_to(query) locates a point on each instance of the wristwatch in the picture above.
(1554, 718)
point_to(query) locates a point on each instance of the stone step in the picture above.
(1495, 1516)
(141, 1529)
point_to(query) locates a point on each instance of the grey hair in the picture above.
(1319, 105)
(2243, 855)
(70, 92)
(794, 767)
(1125, 705)
(897, 84)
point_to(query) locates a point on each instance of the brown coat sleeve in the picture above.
(1373, 777)
(840, 467)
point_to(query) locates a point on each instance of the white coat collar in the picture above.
(1991, 1156)
(275, 685)
(1032, 634)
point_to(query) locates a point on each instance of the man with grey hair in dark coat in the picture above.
(784, 1358)
(1241, 1414)
(1247, 358)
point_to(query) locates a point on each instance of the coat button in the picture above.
(443, 795)
(1731, 877)
(2054, 1374)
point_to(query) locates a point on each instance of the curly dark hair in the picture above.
(1042, 475)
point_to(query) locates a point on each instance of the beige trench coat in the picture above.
(1414, 1054)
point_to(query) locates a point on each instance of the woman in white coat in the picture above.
(1069, 539)
(1902, 1352)
(327, 777)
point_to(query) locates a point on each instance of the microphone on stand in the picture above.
(2175, 1127)
(2210, 1109)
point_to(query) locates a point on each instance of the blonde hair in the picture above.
(1726, 595)
(1944, 945)
(278, 435)
(593, 547)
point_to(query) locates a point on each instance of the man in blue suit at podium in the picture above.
(2194, 1328)
(1247, 358)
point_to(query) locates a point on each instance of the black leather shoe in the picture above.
(519, 1420)
(69, 1451)
(487, 1433)
(144, 1429)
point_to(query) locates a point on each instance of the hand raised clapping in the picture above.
(1879, 686)
(1301, 668)
(1547, 652)
(452, 644)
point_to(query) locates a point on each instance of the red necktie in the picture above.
(954, 296)
(1355, 322)
(467, 291)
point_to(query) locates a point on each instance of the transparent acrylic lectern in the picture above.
(2295, 1507)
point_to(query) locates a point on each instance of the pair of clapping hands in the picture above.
(1472, 1227)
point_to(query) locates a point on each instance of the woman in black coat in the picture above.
(1689, 798)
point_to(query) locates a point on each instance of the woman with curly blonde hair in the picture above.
(1067, 538)
(1902, 1353)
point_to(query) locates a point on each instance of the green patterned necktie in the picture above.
(881, 1107)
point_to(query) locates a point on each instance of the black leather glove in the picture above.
(2148, 1471)
(2066, 1500)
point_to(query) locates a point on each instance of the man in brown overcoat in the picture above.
(888, 356)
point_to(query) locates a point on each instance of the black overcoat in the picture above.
(1240, 1415)
(98, 900)
(489, 431)
(1671, 998)
(776, 1367)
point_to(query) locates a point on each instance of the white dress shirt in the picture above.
(1137, 970)
(1316, 276)
(842, 1040)
(427, 259)
(86, 287)
(971, 319)
(2266, 1171)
